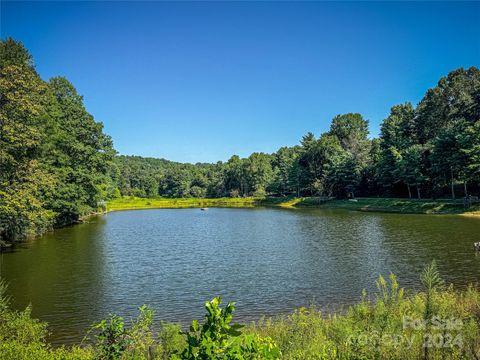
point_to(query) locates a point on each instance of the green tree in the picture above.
(235, 179)
(349, 126)
(24, 103)
(469, 144)
(55, 161)
(319, 161)
(284, 164)
(259, 173)
(449, 163)
(409, 168)
(398, 129)
(455, 98)
(352, 132)
(82, 156)
(14, 53)
(397, 134)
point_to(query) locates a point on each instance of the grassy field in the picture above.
(134, 203)
(406, 206)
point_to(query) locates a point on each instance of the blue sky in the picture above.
(200, 81)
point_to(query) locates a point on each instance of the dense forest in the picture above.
(57, 164)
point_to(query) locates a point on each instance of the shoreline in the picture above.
(376, 205)
(373, 205)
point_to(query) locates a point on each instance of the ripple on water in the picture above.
(269, 261)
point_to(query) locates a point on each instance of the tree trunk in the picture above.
(451, 181)
(418, 191)
(409, 191)
(465, 187)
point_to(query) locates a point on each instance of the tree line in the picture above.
(431, 150)
(57, 164)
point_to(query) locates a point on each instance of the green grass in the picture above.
(406, 206)
(375, 327)
(134, 203)
(393, 205)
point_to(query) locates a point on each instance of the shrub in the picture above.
(111, 340)
(171, 340)
(217, 339)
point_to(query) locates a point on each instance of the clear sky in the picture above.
(200, 81)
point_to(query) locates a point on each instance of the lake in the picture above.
(270, 261)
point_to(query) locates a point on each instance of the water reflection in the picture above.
(268, 260)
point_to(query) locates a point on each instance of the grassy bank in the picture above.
(395, 205)
(438, 323)
(135, 203)
(405, 206)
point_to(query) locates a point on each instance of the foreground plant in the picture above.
(439, 323)
(218, 339)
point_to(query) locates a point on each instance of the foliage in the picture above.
(217, 339)
(23, 112)
(388, 327)
(55, 160)
(111, 338)
(114, 340)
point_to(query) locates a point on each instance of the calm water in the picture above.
(269, 261)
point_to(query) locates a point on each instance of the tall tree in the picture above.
(455, 98)
(397, 134)
(352, 132)
(258, 168)
(284, 166)
(319, 161)
(469, 145)
(83, 156)
(24, 100)
(235, 181)
(398, 129)
(55, 161)
(409, 168)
